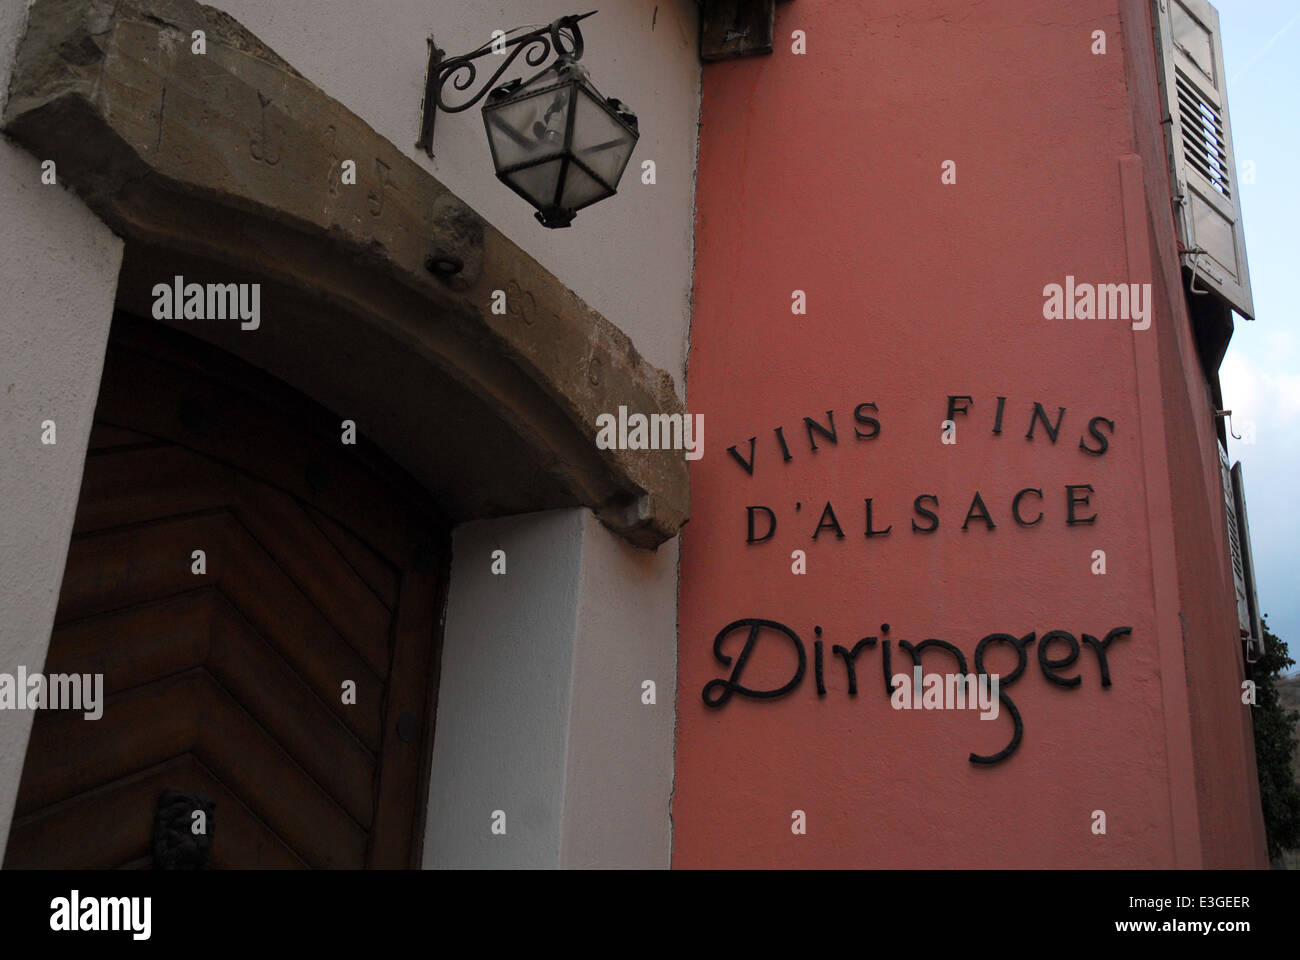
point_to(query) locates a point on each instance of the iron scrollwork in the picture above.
(562, 38)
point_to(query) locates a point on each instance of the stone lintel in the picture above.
(234, 158)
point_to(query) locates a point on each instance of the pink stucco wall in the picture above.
(822, 173)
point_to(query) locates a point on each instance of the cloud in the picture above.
(1270, 398)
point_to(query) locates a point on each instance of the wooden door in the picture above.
(322, 570)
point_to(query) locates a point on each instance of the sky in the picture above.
(1260, 375)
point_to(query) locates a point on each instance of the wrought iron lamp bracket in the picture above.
(536, 45)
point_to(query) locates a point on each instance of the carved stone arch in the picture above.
(226, 167)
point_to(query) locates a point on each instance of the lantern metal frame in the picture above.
(572, 77)
(563, 38)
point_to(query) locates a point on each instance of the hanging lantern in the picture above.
(557, 142)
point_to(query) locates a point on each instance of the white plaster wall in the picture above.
(618, 784)
(58, 274)
(630, 257)
(539, 709)
(503, 702)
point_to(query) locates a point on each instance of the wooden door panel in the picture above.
(140, 728)
(401, 771)
(114, 824)
(247, 759)
(137, 484)
(380, 576)
(325, 566)
(276, 697)
(283, 440)
(168, 636)
(317, 568)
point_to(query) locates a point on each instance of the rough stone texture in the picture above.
(233, 158)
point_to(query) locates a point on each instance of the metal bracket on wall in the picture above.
(537, 45)
(1195, 254)
(736, 28)
(1227, 416)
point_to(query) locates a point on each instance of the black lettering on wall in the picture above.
(1102, 442)
(725, 688)
(827, 432)
(719, 690)
(771, 524)
(785, 450)
(871, 532)
(1050, 666)
(829, 524)
(1041, 414)
(916, 505)
(1015, 507)
(871, 422)
(884, 660)
(1072, 501)
(850, 658)
(748, 466)
(915, 652)
(1020, 643)
(953, 409)
(1099, 647)
(817, 663)
(982, 514)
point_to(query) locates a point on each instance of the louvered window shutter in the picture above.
(1234, 543)
(1255, 643)
(1203, 166)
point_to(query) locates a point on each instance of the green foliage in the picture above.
(1275, 741)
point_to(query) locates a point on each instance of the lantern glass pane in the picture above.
(538, 183)
(599, 140)
(580, 189)
(529, 128)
